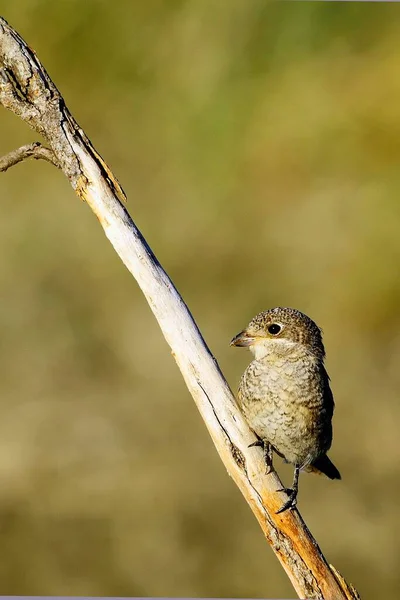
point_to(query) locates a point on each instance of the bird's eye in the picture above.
(274, 329)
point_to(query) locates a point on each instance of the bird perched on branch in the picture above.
(284, 393)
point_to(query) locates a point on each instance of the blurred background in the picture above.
(259, 146)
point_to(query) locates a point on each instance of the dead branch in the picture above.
(35, 150)
(27, 90)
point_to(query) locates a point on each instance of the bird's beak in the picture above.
(242, 339)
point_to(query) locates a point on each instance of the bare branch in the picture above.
(35, 150)
(27, 90)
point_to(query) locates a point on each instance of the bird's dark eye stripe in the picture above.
(274, 329)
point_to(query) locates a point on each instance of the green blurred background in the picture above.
(259, 146)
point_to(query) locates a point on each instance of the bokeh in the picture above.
(259, 146)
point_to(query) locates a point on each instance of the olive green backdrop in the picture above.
(259, 146)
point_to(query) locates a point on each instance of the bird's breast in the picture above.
(288, 390)
(292, 380)
(284, 403)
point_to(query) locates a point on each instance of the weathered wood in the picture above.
(35, 150)
(27, 90)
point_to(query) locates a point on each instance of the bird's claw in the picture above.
(267, 453)
(291, 502)
(256, 443)
(288, 491)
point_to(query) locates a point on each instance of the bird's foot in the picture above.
(268, 454)
(266, 446)
(268, 459)
(288, 491)
(258, 442)
(290, 502)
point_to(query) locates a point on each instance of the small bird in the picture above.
(284, 393)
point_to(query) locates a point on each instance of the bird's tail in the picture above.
(324, 465)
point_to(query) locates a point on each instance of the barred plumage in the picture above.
(284, 393)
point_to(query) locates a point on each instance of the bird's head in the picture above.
(281, 331)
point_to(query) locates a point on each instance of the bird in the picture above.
(285, 395)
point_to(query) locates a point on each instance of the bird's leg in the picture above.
(268, 453)
(268, 450)
(292, 492)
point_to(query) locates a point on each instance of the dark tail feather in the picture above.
(324, 465)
